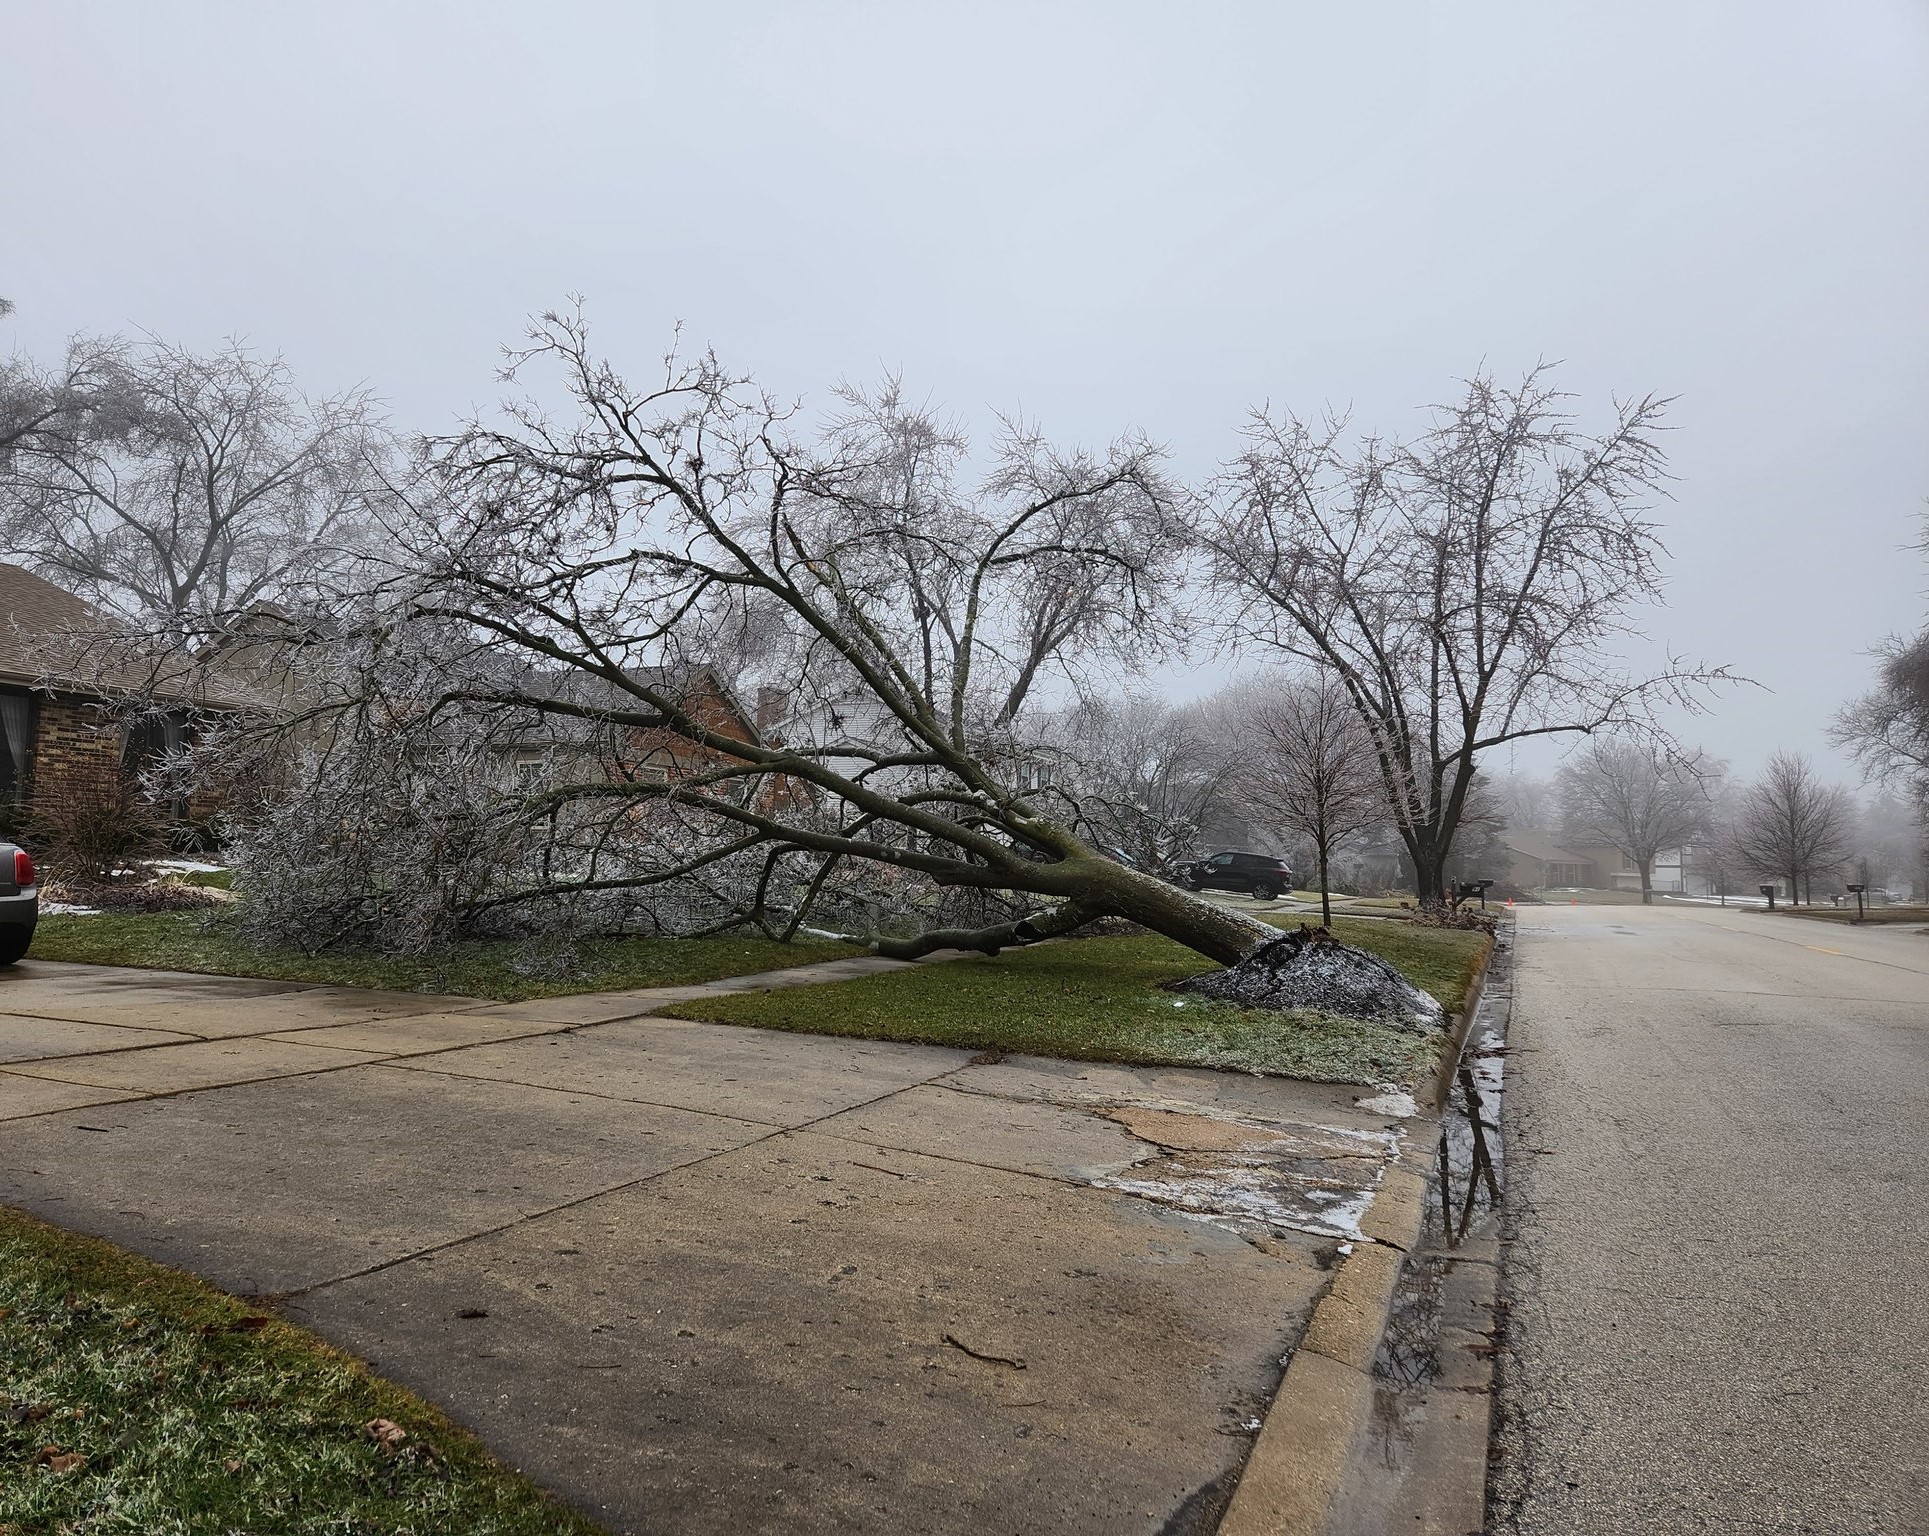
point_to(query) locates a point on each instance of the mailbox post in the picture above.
(1858, 901)
(1769, 892)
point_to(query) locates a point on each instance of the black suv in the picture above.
(1262, 876)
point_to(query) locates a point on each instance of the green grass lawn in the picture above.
(144, 1403)
(1101, 1000)
(190, 941)
(1896, 914)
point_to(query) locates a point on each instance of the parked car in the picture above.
(19, 902)
(1260, 875)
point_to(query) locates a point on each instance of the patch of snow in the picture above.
(1303, 969)
(1389, 1101)
(1239, 1198)
(188, 866)
(67, 909)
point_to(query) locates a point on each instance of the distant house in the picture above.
(1538, 861)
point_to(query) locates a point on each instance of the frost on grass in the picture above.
(1308, 968)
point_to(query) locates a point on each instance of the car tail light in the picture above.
(23, 870)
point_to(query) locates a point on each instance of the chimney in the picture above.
(770, 705)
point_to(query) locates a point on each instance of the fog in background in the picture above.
(1105, 215)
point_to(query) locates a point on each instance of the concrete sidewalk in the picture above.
(700, 1278)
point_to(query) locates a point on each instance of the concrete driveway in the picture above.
(699, 1278)
(1717, 1175)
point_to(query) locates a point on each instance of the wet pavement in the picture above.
(1717, 1227)
(702, 1278)
(1421, 1464)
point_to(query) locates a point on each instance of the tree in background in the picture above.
(1637, 799)
(179, 490)
(1136, 775)
(38, 405)
(1524, 800)
(1307, 764)
(1465, 588)
(1791, 825)
(1887, 729)
(1886, 846)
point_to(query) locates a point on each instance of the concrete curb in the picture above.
(1299, 1462)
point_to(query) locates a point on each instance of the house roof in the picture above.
(39, 622)
(1531, 843)
(32, 610)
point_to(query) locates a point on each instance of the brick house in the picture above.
(655, 755)
(51, 742)
(59, 745)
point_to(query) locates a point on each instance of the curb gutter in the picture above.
(1298, 1465)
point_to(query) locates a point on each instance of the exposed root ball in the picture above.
(1312, 969)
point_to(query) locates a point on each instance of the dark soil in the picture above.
(1308, 968)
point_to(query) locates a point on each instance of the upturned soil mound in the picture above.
(1309, 968)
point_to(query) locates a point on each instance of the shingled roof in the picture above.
(38, 621)
(32, 611)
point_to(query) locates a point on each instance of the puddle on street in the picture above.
(1408, 1370)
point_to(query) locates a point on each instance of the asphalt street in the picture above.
(1719, 1255)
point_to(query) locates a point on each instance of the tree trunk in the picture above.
(1325, 900)
(1429, 875)
(1647, 881)
(1106, 889)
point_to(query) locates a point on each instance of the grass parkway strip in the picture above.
(139, 1400)
(1102, 999)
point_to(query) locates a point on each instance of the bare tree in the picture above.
(1888, 846)
(556, 568)
(1308, 765)
(1638, 799)
(41, 407)
(180, 490)
(1465, 588)
(1135, 775)
(1524, 800)
(1789, 823)
(1887, 729)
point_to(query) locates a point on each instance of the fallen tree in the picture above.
(561, 576)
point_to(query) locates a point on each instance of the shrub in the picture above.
(89, 835)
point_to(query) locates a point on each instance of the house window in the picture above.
(655, 769)
(16, 745)
(528, 767)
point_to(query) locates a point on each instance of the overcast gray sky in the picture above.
(1107, 214)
